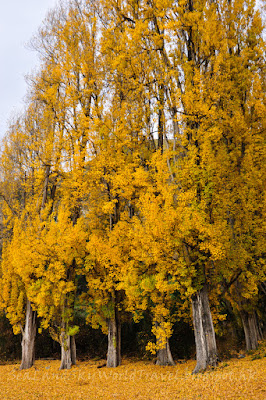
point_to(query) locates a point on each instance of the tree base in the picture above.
(206, 349)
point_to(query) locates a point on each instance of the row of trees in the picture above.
(134, 180)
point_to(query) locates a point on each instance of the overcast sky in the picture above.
(19, 21)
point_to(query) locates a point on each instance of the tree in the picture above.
(213, 121)
(68, 47)
(25, 180)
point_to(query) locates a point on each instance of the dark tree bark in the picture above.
(114, 342)
(252, 330)
(73, 350)
(28, 338)
(206, 350)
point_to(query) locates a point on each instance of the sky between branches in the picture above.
(19, 21)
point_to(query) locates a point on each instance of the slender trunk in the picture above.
(251, 329)
(114, 342)
(73, 350)
(164, 355)
(28, 338)
(65, 351)
(160, 118)
(206, 350)
(46, 183)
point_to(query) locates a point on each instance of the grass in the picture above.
(236, 379)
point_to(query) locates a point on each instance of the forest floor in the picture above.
(234, 379)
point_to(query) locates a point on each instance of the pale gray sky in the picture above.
(19, 21)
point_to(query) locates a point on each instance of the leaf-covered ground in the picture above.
(236, 379)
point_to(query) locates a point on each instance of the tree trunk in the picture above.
(73, 350)
(164, 355)
(251, 329)
(206, 350)
(114, 342)
(28, 338)
(66, 361)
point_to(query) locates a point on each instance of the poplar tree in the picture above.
(26, 169)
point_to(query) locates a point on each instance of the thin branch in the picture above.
(11, 208)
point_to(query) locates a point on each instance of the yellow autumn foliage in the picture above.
(234, 379)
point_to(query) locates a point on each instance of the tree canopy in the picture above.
(134, 182)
